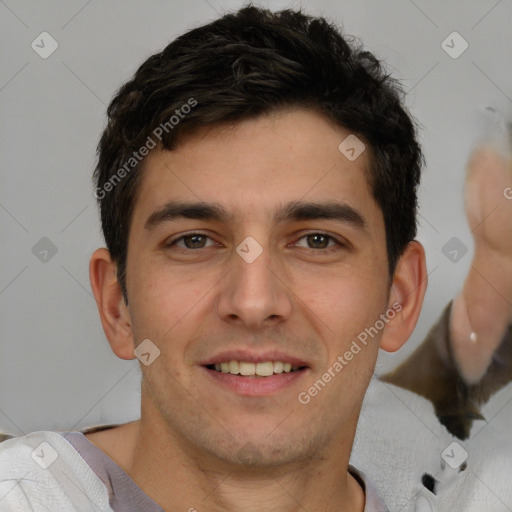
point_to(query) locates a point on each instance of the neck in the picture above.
(178, 477)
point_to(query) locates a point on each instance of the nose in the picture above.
(254, 294)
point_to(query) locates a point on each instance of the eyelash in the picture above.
(324, 250)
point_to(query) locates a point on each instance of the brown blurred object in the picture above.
(436, 378)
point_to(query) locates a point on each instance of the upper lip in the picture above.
(254, 357)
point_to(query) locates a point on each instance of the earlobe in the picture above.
(406, 297)
(113, 312)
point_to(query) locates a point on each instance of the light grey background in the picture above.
(56, 368)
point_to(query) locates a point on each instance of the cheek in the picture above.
(345, 303)
(160, 302)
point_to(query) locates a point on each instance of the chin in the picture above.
(265, 448)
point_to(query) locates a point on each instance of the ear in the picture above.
(113, 311)
(406, 297)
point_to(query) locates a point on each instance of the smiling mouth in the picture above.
(248, 369)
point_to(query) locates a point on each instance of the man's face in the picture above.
(200, 292)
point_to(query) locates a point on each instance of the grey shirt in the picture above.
(126, 496)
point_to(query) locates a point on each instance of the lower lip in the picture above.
(256, 386)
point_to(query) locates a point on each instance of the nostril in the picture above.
(429, 482)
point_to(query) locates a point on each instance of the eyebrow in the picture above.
(295, 210)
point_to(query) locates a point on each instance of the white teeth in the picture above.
(278, 367)
(265, 369)
(245, 368)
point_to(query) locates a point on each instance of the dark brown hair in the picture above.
(243, 65)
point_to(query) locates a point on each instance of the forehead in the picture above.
(254, 166)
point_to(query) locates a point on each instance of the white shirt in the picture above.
(52, 471)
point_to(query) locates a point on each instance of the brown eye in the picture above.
(319, 241)
(192, 241)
